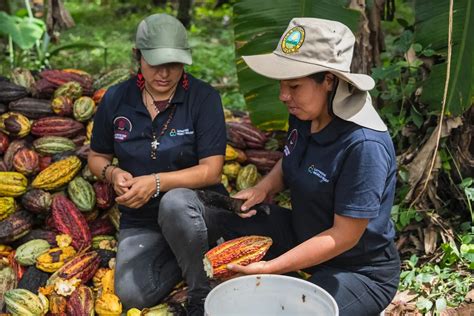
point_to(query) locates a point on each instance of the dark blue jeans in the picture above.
(150, 262)
(362, 288)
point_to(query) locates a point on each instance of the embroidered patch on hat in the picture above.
(122, 128)
(291, 142)
(293, 40)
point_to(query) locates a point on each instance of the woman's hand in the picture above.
(140, 190)
(260, 267)
(253, 195)
(118, 178)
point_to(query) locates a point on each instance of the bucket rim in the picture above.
(272, 276)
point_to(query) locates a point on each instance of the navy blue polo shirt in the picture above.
(123, 127)
(344, 169)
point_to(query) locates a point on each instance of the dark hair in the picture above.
(318, 77)
(137, 55)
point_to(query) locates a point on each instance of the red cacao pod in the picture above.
(26, 161)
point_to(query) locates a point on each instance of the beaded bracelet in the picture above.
(157, 181)
(104, 170)
(111, 174)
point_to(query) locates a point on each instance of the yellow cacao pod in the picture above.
(54, 258)
(108, 305)
(248, 176)
(230, 153)
(231, 169)
(57, 174)
(7, 206)
(12, 184)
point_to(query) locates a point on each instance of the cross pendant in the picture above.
(154, 144)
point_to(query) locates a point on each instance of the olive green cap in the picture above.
(163, 39)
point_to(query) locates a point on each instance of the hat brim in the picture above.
(281, 68)
(356, 106)
(160, 56)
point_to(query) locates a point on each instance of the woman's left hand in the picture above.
(140, 191)
(260, 267)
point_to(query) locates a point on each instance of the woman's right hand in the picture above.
(119, 177)
(252, 196)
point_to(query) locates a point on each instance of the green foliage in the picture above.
(402, 216)
(437, 287)
(467, 187)
(24, 31)
(431, 29)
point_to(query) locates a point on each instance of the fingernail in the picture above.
(244, 208)
(230, 266)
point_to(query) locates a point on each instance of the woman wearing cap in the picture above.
(339, 164)
(167, 130)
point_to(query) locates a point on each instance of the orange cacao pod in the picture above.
(26, 161)
(243, 251)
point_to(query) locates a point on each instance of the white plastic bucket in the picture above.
(269, 294)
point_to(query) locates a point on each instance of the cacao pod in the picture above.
(62, 106)
(114, 216)
(104, 194)
(53, 259)
(71, 89)
(69, 220)
(21, 302)
(247, 177)
(104, 242)
(7, 206)
(26, 161)
(82, 194)
(82, 267)
(57, 305)
(33, 279)
(57, 174)
(37, 201)
(47, 235)
(87, 174)
(4, 142)
(8, 281)
(98, 95)
(81, 302)
(231, 169)
(15, 124)
(83, 151)
(242, 251)
(111, 78)
(52, 79)
(51, 145)
(56, 126)
(15, 145)
(264, 160)
(108, 305)
(83, 109)
(23, 78)
(27, 253)
(12, 184)
(89, 128)
(15, 226)
(45, 162)
(101, 226)
(249, 133)
(11, 92)
(31, 108)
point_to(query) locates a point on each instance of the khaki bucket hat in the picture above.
(163, 39)
(311, 45)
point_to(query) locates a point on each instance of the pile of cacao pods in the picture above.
(58, 222)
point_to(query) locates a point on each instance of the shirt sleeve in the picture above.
(362, 181)
(210, 127)
(102, 139)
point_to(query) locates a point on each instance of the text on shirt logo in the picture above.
(318, 173)
(122, 128)
(181, 132)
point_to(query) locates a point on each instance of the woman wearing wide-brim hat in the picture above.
(339, 164)
(167, 130)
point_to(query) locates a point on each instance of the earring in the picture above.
(185, 81)
(140, 80)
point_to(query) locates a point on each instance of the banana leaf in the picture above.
(258, 26)
(431, 30)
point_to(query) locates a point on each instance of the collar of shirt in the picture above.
(331, 132)
(133, 97)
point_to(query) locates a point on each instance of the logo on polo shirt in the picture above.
(122, 128)
(291, 142)
(318, 173)
(181, 132)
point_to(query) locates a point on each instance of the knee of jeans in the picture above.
(174, 204)
(128, 294)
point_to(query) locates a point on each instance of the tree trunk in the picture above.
(184, 12)
(57, 18)
(369, 38)
(5, 6)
